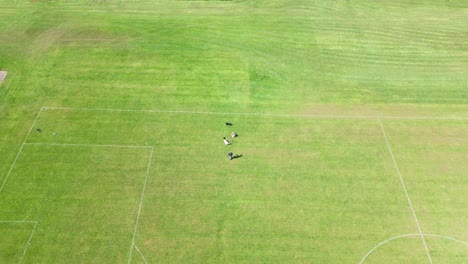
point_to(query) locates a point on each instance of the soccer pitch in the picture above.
(351, 118)
(305, 189)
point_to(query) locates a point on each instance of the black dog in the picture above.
(236, 156)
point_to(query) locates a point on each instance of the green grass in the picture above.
(85, 198)
(437, 185)
(15, 236)
(306, 190)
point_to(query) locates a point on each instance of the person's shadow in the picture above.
(236, 156)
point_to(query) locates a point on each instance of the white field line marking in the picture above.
(28, 243)
(448, 238)
(141, 254)
(19, 222)
(256, 114)
(19, 152)
(30, 236)
(87, 145)
(406, 192)
(423, 117)
(140, 206)
(409, 235)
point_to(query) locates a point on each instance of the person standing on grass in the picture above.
(230, 154)
(233, 134)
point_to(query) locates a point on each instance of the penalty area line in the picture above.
(88, 145)
(140, 206)
(29, 242)
(141, 254)
(21, 149)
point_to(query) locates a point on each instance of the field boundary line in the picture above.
(88, 145)
(255, 114)
(406, 192)
(141, 254)
(140, 206)
(423, 117)
(21, 148)
(28, 243)
(18, 221)
(409, 235)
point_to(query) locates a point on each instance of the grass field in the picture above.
(352, 119)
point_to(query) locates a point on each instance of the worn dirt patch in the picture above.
(3, 74)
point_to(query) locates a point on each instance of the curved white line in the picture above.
(410, 235)
(383, 242)
(448, 238)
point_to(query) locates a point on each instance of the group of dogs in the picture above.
(226, 142)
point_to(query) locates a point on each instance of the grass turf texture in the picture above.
(306, 190)
(87, 211)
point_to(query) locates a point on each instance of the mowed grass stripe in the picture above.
(264, 63)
